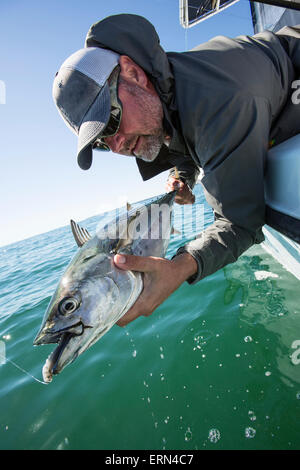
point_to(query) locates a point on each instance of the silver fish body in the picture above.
(93, 294)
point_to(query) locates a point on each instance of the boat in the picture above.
(282, 196)
(282, 178)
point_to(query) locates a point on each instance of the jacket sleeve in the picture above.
(234, 154)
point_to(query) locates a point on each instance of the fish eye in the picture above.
(68, 305)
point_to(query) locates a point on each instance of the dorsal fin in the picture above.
(80, 234)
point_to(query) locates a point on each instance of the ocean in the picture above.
(216, 366)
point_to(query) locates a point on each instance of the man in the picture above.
(216, 108)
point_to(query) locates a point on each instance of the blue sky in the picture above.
(41, 186)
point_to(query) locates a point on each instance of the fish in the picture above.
(93, 294)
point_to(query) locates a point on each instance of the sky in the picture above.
(41, 185)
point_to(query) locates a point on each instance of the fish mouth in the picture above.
(52, 366)
(55, 363)
(70, 346)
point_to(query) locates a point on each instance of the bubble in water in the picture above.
(188, 434)
(250, 433)
(251, 415)
(214, 435)
(298, 395)
(247, 339)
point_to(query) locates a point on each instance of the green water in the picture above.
(213, 368)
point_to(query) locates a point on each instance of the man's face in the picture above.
(141, 131)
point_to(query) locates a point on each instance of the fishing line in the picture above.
(23, 370)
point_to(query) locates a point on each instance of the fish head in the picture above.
(81, 310)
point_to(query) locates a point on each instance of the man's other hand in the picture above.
(184, 194)
(161, 278)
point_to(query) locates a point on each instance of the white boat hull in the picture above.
(283, 249)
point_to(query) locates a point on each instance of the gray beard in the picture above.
(152, 147)
(150, 106)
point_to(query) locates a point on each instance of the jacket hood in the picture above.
(136, 37)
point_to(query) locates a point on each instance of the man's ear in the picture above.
(132, 72)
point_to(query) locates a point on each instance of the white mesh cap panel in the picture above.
(95, 119)
(94, 62)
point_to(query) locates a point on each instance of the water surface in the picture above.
(215, 367)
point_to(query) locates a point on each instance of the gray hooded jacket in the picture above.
(223, 103)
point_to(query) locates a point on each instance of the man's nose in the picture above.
(115, 143)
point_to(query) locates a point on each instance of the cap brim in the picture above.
(93, 123)
(85, 158)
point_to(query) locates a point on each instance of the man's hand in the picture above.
(184, 194)
(161, 278)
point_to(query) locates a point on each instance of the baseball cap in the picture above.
(81, 93)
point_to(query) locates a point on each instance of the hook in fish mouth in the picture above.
(47, 336)
(51, 366)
